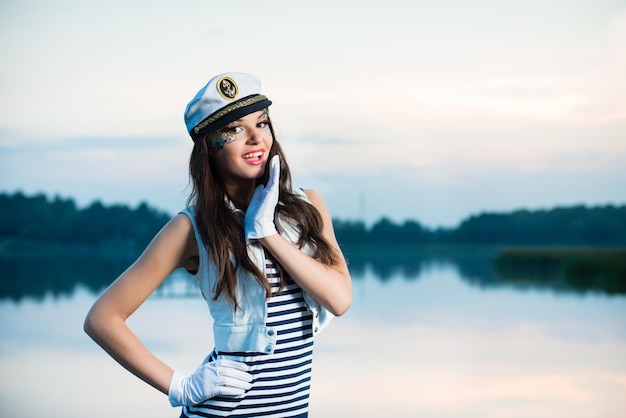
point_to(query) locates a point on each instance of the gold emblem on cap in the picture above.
(227, 88)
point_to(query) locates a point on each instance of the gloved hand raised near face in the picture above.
(217, 378)
(259, 220)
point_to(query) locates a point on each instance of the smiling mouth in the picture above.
(253, 155)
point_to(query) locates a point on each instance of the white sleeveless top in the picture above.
(281, 380)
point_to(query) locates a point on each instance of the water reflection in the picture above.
(37, 275)
(457, 351)
(473, 264)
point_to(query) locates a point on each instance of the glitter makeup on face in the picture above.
(219, 139)
(223, 138)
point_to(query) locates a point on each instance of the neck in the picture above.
(241, 194)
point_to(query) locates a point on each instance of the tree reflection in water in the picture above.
(59, 273)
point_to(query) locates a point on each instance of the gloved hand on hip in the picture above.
(259, 220)
(217, 378)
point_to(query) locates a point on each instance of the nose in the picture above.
(254, 138)
(257, 135)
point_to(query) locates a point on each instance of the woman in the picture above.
(265, 258)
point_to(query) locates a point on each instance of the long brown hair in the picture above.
(221, 228)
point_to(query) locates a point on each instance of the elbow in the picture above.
(95, 324)
(341, 306)
(342, 300)
(89, 325)
(340, 310)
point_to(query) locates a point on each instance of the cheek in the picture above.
(228, 154)
(222, 159)
(270, 137)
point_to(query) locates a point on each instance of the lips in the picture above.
(254, 157)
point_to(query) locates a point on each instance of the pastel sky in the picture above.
(426, 110)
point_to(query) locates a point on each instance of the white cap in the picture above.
(225, 98)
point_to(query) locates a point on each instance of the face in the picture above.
(241, 148)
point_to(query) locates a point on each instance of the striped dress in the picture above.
(281, 381)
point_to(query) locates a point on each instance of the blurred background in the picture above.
(489, 135)
(407, 109)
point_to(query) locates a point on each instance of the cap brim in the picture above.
(232, 116)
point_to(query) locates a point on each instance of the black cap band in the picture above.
(230, 113)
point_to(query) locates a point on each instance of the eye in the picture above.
(263, 124)
(233, 129)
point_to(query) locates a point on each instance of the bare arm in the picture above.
(171, 248)
(331, 286)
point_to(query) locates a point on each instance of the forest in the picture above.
(56, 220)
(600, 226)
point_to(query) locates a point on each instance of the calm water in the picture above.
(436, 337)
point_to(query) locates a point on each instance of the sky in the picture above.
(425, 110)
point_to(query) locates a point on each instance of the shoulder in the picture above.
(171, 248)
(179, 231)
(181, 222)
(313, 195)
(319, 203)
(317, 200)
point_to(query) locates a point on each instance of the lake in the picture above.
(434, 337)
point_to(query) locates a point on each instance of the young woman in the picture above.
(264, 255)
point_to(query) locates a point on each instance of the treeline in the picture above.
(38, 218)
(567, 226)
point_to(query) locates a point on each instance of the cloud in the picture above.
(15, 142)
(433, 93)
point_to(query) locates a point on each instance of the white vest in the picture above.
(244, 330)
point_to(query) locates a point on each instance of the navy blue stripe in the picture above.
(287, 291)
(289, 321)
(288, 349)
(277, 403)
(279, 360)
(288, 385)
(242, 353)
(281, 377)
(273, 304)
(284, 394)
(288, 311)
(301, 337)
(285, 368)
(200, 413)
(277, 291)
(289, 331)
(305, 415)
(254, 414)
(289, 284)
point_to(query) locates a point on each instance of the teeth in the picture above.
(253, 155)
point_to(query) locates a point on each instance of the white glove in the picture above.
(259, 220)
(217, 378)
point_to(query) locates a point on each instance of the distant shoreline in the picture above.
(40, 218)
(21, 247)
